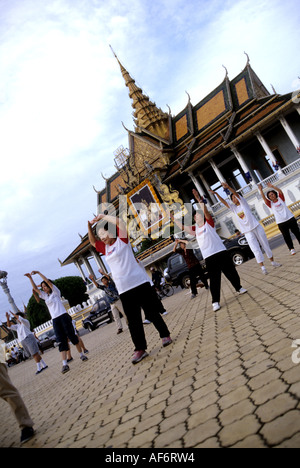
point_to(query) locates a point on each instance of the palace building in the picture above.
(240, 133)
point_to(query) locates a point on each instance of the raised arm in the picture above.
(277, 189)
(34, 286)
(232, 190)
(220, 198)
(44, 278)
(113, 220)
(187, 229)
(267, 202)
(199, 199)
(91, 234)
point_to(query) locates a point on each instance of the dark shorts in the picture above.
(64, 330)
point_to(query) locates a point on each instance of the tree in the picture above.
(73, 289)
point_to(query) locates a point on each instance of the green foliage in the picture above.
(37, 312)
(72, 288)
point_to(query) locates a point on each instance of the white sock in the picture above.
(38, 365)
(65, 362)
(263, 267)
(43, 363)
(81, 354)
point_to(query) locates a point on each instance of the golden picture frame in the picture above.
(146, 207)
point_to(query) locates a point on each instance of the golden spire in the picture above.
(146, 114)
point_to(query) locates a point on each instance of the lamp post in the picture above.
(3, 283)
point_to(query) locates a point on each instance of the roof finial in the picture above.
(113, 51)
(226, 75)
(188, 96)
(248, 60)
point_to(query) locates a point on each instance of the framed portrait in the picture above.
(146, 207)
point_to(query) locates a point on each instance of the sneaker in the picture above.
(242, 291)
(83, 358)
(70, 360)
(38, 371)
(216, 306)
(65, 369)
(138, 356)
(86, 351)
(193, 296)
(167, 341)
(276, 264)
(165, 313)
(264, 271)
(293, 252)
(44, 368)
(146, 322)
(26, 434)
(120, 331)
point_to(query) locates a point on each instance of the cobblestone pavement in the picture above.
(228, 380)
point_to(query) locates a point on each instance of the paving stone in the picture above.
(227, 380)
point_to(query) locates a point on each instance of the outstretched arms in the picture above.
(220, 198)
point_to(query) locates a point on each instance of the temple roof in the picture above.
(146, 114)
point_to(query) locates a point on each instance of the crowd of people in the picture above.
(129, 289)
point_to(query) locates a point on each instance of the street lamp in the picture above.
(3, 283)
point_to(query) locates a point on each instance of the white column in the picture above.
(267, 149)
(217, 171)
(196, 183)
(198, 187)
(77, 264)
(88, 266)
(240, 159)
(289, 132)
(98, 261)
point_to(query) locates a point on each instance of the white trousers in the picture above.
(116, 308)
(256, 239)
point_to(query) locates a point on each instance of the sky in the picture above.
(63, 100)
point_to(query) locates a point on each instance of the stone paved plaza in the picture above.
(228, 380)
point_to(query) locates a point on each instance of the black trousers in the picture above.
(217, 264)
(143, 297)
(63, 330)
(193, 273)
(285, 228)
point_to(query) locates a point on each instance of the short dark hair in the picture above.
(272, 191)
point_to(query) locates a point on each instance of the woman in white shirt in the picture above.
(132, 281)
(214, 252)
(61, 320)
(250, 226)
(27, 339)
(283, 216)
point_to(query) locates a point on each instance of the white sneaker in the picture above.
(276, 264)
(146, 321)
(293, 252)
(216, 306)
(264, 271)
(242, 291)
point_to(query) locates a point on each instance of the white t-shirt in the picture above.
(208, 240)
(246, 219)
(125, 270)
(53, 302)
(22, 329)
(280, 210)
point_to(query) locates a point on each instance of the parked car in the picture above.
(47, 340)
(177, 272)
(100, 313)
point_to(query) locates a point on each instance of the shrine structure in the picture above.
(239, 133)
